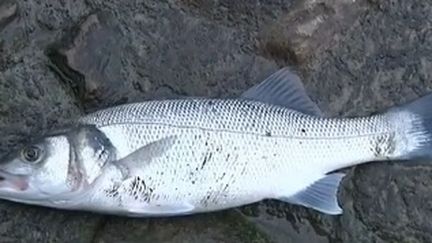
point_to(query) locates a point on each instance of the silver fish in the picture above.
(185, 156)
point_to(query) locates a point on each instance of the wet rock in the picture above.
(92, 58)
(8, 10)
(309, 28)
(227, 227)
(247, 15)
(20, 223)
(59, 15)
(159, 53)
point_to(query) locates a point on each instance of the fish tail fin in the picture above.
(413, 123)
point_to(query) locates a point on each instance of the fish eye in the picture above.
(32, 154)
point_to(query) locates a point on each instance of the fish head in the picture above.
(37, 169)
(53, 167)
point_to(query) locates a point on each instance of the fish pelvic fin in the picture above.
(135, 208)
(413, 123)
(320, 195)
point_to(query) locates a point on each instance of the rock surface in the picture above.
(8, 10)
(61, 59)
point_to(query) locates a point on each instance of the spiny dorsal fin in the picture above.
(283, 88)
(321, 195)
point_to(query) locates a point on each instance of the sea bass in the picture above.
(192, 155)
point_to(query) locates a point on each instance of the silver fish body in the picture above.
(176, 157)
(232, 152)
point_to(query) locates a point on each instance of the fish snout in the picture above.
(12, 182)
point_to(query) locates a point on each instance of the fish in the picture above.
(171, 157)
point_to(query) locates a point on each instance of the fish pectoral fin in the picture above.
(160, 209)
(321, 195)
(145, 154)
(283, 88)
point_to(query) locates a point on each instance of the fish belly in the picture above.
(213, 170)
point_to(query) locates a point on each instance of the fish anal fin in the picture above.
(321, 195)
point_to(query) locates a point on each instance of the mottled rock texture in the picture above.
(62, 59)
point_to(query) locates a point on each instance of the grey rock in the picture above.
(61, 59)
(228, 226)
(92, 56)
(159, 53)
(8, 10)
(309, 28)
(31, 224)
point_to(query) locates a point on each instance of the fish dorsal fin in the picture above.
(283, 88)
(145, 154)
(321, 195)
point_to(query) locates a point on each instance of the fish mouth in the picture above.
(12, 182)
